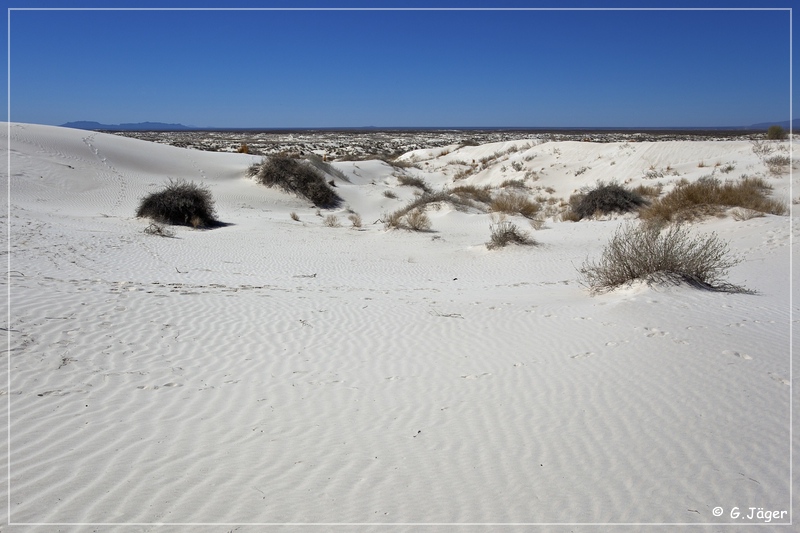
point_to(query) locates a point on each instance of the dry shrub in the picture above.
(331, 221)
(513, 184)
(604, 199)
(505, 232)
(776, 132)
(297, 177)
(649, 253)
(709, 196)
(180, 203)
(742, 213)
(394, 220)
(513, 203)
(414, 219)
(390, 194)
(778, 164)
(355, 220)
(159, 230)
(648, 191)
(418, 220)
(762, 148)
(294, 216)
(411, 181)
(471, 192)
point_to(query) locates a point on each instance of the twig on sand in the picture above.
(446, 315)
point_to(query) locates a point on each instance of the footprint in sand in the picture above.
(737, 354)
(655, 332)
(156, 387)
(476, 376)
(582, 355)
(782, 381)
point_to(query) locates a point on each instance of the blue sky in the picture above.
(450, 68)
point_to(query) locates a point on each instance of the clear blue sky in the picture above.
(401, 68)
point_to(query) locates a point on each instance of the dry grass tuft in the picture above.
(778, 164)
(331, 221)
(505, 232)
(709, 196)
(355, 220)
(513, 203)
(411, 181)
(418, 220)
(471, 192)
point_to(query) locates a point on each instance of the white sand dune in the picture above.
(274, 371)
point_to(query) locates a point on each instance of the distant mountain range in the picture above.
(785, 125)
(161, 126)
(138, 126)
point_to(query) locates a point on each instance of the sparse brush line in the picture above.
(709, 196)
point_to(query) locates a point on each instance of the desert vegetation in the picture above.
(653, 253)
(295, 176)
(182, 203)
(411, 219)
(604, 199)
(411, 181)
(776, 132)
(505, 232)
(710, 196)
(778, 163)
(159, 230)
(514, 203)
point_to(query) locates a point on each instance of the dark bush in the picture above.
(776, 132)
(180, 203)
(606, 199)
(297, 177)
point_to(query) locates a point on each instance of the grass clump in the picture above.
(505, 232)
(294, 176)
(778, 164)
(355, 220)
(180, 203)
(709, 196)
(411, 181)
(471, 192)
(331, 221)
(604, 199)
(645, 252)
(414, 220)
(513, 203)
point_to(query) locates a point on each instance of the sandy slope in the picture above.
(274, 371)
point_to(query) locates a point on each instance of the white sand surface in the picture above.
(273, 371)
